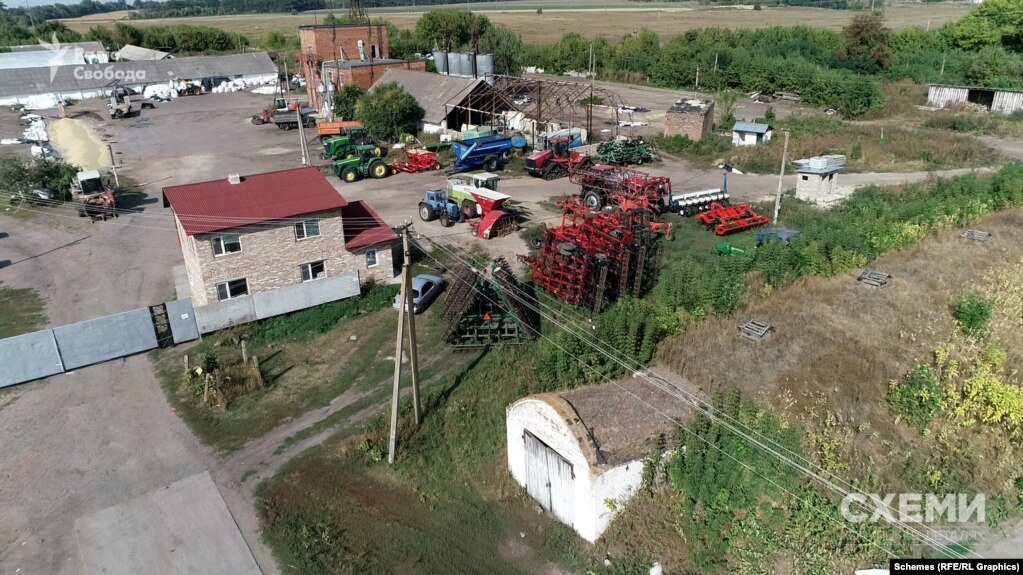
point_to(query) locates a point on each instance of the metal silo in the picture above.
(465, 63)
(454, 64)
(484, 64)
(440, 60)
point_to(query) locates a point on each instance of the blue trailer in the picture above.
(490, 152)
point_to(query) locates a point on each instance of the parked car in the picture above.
(425, 289)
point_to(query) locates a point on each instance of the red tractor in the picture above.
(556, 161)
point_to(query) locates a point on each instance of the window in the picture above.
(307, 229)
(371, 258)
(226, 244)
(313, 271)
(806, 178)
(232, 289)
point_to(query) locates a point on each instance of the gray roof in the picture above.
(138, 53)
(754, 127)
(432, 91)
(86, 46)
(28, 81)
(40, 58)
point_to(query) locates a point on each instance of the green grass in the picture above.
(21, 311)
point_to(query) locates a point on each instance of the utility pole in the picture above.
(406, 310)
(697, 76)
(942, 74)
(301, 133)
(781, 178)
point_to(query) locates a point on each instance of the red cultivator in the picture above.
(418, 160)
(602, 184)
(727, 219)
(595, 257)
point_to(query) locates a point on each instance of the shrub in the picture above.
(917, 396)
(973, 313)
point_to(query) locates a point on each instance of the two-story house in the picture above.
(247, 234)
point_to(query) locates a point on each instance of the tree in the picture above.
(867, 36)
(346, 99)
(506, 47)
(991, 23)
(388, 112)
(432, 27)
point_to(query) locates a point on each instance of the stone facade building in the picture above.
(249, 234)
(691, 118)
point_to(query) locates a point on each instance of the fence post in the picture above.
(245, 356)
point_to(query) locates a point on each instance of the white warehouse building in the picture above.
(580, 453)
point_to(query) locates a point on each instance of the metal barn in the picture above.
(992, 99)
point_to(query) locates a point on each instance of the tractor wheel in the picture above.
(549, 172)
(566, 248)
(445, 220)
(349, 174)
(475, 231)
(378, 152)
(379, 170)
(468, 209)
(426, 212)
(491, 163)
(349, 155)
(639, 161)
(593, 201)
(310, 123)
(537, 243)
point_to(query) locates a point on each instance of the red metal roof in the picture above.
(363, 227)
(220, 205)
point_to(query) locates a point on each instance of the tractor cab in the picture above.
(481, 181)
(282, 105)
(560, 147)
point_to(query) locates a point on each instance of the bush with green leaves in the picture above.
(917, 396)
(973, 312)
(388, 112)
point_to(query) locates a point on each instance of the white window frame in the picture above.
(376, 258)
(223, 245)
(303, 225)
(227, 289)
(309, 265)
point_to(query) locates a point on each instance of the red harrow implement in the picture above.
(727, 219)
(417, 160)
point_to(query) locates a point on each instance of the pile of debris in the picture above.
(596, 257)
(35, 134)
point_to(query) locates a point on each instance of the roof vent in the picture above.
(234, 179)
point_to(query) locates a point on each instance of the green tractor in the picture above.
(364, 163)
(343, 147)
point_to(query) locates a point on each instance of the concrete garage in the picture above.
(580, 453)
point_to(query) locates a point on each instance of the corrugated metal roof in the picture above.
(29, 81)
(220, 205)
(41, 58)
(87, 46)
(432, 91)
(359, 232)
(348, 64)
(754, 127)
(134, 53)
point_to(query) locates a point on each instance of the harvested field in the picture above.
(591, 23)
(838, 344)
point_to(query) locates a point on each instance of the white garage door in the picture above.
(549, 478)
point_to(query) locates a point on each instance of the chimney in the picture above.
(234, 179)
(362, 50)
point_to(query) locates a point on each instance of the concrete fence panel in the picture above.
(29, 356)
(182, 320)
(308, 294)
(221, 315)
(105, 338)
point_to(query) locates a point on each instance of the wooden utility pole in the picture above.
(406, 311)
(781, 179)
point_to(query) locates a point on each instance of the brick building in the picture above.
(248, 234)
(357, 53)
(691, 118)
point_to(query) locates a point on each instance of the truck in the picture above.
(490, 152)
(120, 103)
(556, 161)
(338, 128)
(92, 197)
(286, 116)
(602, 184)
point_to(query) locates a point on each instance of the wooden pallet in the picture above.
(874, 279)
(976, 235)
(754, 330)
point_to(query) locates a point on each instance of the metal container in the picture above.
(440, 60)
(465, 64)
(484, 64)
(454, 64)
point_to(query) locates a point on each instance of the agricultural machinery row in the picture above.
(474, 200)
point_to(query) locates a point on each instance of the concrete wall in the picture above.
(105, 338)
(220, 315)
(29, 356)
(617, 484)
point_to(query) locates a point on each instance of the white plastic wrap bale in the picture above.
(264, 90)
(37, 152)
(36, 132)
(41, 102)
(10, 141)
(158, 92)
